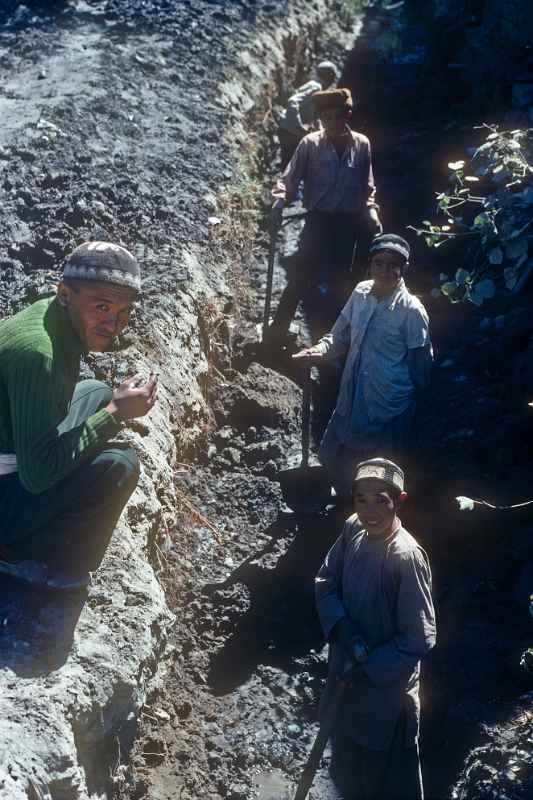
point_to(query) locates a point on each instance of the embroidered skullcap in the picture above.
(381, 469)
(332, 98)
(389, 241)
(327, 66)
(104, 262)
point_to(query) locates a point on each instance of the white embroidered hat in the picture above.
(103, 261)
(381, 469)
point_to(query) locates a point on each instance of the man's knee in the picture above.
(125, 466)
(97, 392)
(118, 469)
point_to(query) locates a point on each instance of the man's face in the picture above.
(97, 311)
(334, 120)
(386, 271)
(375, 506)
(326, 78)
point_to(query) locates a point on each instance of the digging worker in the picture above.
(383, 331)
(62, 484)
(300, 116)
(373, 595)
(339, 194)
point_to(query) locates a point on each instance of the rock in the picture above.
(262, 451)
(258, 397)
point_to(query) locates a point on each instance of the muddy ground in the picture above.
(231, 712)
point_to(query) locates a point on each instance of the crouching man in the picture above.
(373, 596)
(62, 486)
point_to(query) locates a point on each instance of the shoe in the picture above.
(41, 576)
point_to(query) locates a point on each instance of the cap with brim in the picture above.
(389, 241)
(104, 262)
(380, 469)
(332, 98)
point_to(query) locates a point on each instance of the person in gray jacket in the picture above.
(373, 595)
(300, 116)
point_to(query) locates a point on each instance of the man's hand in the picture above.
(374, 223)
(133, 398)
(350, 640)
(309, 352)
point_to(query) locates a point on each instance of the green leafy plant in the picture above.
(489, 206)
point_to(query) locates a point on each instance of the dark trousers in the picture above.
(320, 274)
(70, 524)
(362, 774)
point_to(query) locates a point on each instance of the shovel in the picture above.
(326, 729)
(270, 276)
(305, 489)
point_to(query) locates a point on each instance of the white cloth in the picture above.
(8, 463)
(376, 334)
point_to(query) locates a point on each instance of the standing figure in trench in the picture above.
(335, 166)
(300, 117)
(63, 485)
(383, 331)
(373, 595)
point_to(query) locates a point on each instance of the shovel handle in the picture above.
(270, 277)
(326, 729)
(306, 413)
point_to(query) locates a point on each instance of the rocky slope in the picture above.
(122, 120)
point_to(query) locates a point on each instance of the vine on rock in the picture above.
(490, 207)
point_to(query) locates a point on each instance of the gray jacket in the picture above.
(384, 586)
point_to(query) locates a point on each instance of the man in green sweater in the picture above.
(62, 484)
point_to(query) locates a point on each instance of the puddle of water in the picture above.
(272, 786)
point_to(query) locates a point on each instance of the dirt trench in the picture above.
(243, 682)
(231, 709)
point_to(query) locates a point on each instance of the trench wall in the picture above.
(122, 160)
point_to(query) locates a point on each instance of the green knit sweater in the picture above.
(39, 368)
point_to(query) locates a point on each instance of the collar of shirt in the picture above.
(365, 288)
(349, 149)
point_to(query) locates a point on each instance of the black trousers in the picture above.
(362, 774)
(70, 524)
(321, 272)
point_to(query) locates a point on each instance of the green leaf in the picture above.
(462, 276)
(449, 288)
(481, 220)
(483, 290)
(516, 248)
(510, 277)
(496, 255)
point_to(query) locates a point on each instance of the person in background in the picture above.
(335, 167)
(63, 485)
(373, 596)
(299, 118)
(383, 333)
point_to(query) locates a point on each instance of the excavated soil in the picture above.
(231, 712)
